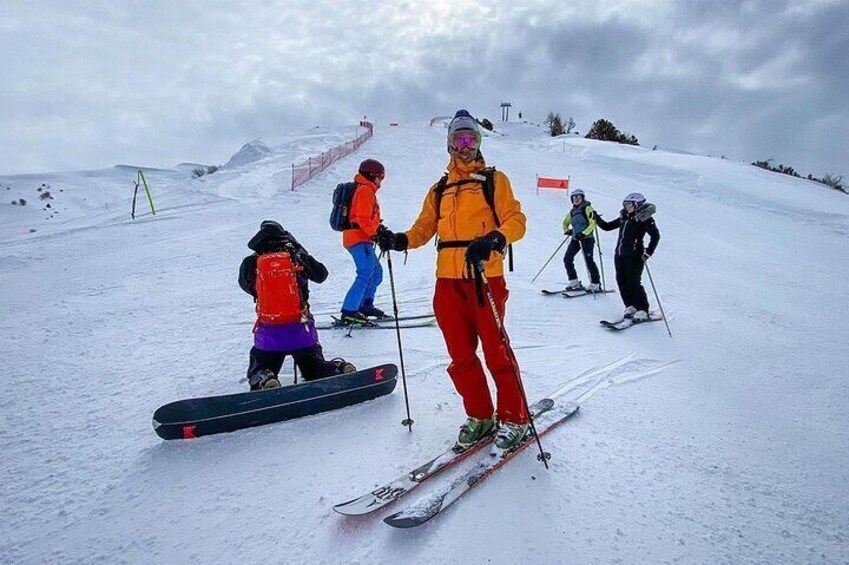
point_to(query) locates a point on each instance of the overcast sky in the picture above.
(89, 84)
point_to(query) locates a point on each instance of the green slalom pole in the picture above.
(147, 191)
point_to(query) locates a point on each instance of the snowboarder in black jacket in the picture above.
(274, 341)
(634, 222)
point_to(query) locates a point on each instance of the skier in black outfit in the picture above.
(273, 341)
(634, 222)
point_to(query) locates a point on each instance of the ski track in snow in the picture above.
(725, 444)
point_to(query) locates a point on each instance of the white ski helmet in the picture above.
(635, 198)
(578, 192)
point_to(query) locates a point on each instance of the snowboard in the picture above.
(195, 417)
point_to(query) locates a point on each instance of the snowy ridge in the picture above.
(724, 444)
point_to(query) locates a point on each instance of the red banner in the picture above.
(545, 182)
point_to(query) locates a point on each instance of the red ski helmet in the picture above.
(372, 169)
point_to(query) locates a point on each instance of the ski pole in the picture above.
(408, 421)
(658, 299)
(600, 259)
(562, 243)
(543, 456)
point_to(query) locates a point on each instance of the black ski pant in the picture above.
(629, 274)
(310, 360)
(587, 244)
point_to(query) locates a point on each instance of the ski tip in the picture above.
(341, 509)
(398, 520)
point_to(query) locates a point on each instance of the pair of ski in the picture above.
(385, 323)
(442, 498)
(573, 292)
(626, 323)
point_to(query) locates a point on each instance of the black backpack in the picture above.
(340, 215)
(488, 194)
(488, 190)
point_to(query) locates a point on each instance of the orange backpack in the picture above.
(278, 295)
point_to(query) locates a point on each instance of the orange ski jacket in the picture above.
(465, 215)
(365, 213)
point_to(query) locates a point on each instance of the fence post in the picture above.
(293, 177)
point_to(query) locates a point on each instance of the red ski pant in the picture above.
(463, 321)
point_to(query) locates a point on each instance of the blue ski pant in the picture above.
(369, 276)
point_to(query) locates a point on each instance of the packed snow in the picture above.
(727, 443)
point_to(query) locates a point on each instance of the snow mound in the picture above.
(250, 152)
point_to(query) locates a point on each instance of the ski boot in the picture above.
(640, 316)
(510, 435)
(264, 379)
(574, 284)
(629, 312)
(343, 366)
(369, 310)
(472, 431)
(593, 287)
(355, 318)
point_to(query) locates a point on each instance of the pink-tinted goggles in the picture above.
(465, 138)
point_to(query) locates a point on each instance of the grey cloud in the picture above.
(163, 82)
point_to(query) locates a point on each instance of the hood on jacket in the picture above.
(271, 237)
(361, 179)
(645, 211)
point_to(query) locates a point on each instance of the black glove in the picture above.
(385, 239)
(481, 248)
(401, 242)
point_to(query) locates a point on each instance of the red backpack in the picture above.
(278, 295)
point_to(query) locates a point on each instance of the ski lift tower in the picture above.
(505, 111)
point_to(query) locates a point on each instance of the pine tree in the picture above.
(554, 124)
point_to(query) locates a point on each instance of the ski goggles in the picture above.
(629, 205)
(465, 138)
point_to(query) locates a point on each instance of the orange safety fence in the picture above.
(306, 170)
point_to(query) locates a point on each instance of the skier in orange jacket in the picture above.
(365, 217)
(472, 226)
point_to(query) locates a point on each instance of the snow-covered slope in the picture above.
(725, 444)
